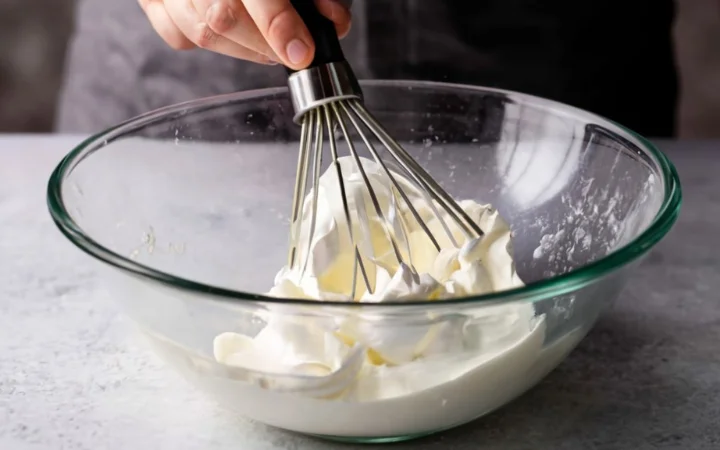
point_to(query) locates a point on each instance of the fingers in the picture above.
(230, 19)
(264, 31)
(284, 31)
(195, 29)
(164, 26)
(338, 12)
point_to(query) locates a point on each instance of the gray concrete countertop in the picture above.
(73, 376)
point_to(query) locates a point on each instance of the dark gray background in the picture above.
(33, 37)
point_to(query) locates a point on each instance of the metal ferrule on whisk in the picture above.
(320, 85)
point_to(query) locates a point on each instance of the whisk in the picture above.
(326, 97)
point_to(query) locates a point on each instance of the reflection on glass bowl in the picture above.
(186, 209)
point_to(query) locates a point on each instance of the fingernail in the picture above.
(296, 51)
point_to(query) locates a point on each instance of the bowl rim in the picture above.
(545, 288)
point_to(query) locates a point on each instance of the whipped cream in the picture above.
(385, 401)
(326, 261)
(365, 355)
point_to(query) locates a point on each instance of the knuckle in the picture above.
(205, 37)
(221, 17)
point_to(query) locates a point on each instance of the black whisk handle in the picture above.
(322, 30)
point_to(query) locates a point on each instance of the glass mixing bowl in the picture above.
(187, 210)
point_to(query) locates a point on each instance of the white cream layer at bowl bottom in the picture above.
(478, 391)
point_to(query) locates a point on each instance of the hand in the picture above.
(263, 31)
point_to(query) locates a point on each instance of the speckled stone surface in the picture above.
(74, 376)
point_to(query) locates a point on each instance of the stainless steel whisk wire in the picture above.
(323, 95)
(315, 124)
